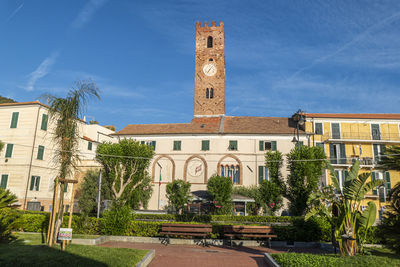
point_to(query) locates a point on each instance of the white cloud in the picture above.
(87, 12)
(41, 71)
(15, 12)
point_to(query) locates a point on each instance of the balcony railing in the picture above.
(364, 161)
(362, 136)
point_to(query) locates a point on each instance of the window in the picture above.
(89, 145)
(177, 145)
(35, 183)
(209, 42)
(45, 119)
(207, 93)
(66, 188)
(233, 145)
(262, 174)
(342, 176)
(205, 145)
(320, 145)
(378, 151)
(149, 143)
(384, 191)
(376, 133)
(231, 171)
(9, 150)
(337, 153)
(40, 152)
(4, 181)
(318, 128)
(267, 145)
(14, 120)
(335, 130)
(212, 93)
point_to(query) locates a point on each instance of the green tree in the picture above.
(253, 192)
(274, 161)
(65, 113)
(305, 165)
(88, 192)
(390, 160)
(220, 190)
(271, 197)
(6, 100)
(350, 223)
(8, 215)
(7, 198)
(178, 194)
(125, 168)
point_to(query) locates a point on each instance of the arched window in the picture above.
(222, 170)
(209, 42)
(207, 93)
(212, 93)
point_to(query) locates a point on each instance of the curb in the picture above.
(147, 259)
(270, 261)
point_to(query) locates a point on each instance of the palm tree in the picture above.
(344, 210)
(7, 198)
(390, 160)
(65, 112)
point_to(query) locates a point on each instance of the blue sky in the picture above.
(320, 56)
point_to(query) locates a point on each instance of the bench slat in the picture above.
(187, 234)
(187, 225)
(261, 231)
(187, 230)
(246, 235)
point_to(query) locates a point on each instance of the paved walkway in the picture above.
(193, 255)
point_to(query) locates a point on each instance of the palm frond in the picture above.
(367, 218)
(334, 178)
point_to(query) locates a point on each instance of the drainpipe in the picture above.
(30, 164)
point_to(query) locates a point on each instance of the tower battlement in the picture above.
(207, 25)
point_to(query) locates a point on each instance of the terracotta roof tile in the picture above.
(388, 116)
(215, 125)
(23, 103)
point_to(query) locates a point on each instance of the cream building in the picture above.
(27, 166)
(211, 143)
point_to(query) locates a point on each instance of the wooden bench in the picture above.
(192, 230)
(258, 232)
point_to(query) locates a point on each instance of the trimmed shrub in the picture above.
(8, 222)
(116, 221)
(302, 259)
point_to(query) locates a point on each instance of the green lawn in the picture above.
(379, 257)
(29, 250)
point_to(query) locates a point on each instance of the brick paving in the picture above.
(194, 255)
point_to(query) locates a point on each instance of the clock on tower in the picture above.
(209, 81)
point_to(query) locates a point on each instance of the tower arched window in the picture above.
(212, 93)
(207, 93)
(209, 42)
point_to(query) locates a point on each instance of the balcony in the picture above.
(362, 137)
(364, 161)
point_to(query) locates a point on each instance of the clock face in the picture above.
(195, 167)
(209, 69)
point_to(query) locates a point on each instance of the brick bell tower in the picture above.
(209, 81)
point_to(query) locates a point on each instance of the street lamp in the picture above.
(299, 118)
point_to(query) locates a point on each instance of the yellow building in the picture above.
(349, 137)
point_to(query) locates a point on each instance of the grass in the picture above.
(29, 250)
(377, 257)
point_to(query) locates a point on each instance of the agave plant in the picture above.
(343, 209)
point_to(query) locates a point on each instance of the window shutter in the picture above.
(387, 183)
(4, 181)
(320, 145)
(142, 142)
(266, 174)
(260, 174)
(37, 184)
(374, 191)
(332, 154)
(45, 118)
(318, 128)
(376, 135)
(90, 146)
(261, 146)
(40, 152)
(232, 145)
(153, 144)
(273, 145)
(177, 145)
(335, 130)
(32, 183)
(66, 188)
(376, 153)
(342, 153)
(205, 145)
(14, 120)
(9, 150)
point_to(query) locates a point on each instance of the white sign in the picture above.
(65, 234)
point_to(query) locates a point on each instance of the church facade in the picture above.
(212, 143)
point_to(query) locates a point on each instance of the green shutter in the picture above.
(205, 145)
(37, 184)
(332, 154)
(376, 153)
(342, 153)
(260, 174)
(374, 191)
(9, 150)
(65, 187)
(177, 145)
(40, 152)
(45, 118)
(142, 142)
(261, 145)
(153, 144)
(232, 145)
(318, 128)
(376, 135)
(90, 146)
(32, 183)
(14, 120)
(387, 183)
(4, 181)
(318, 144)
(273, 145)
(335, 130)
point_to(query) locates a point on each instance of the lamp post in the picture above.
(299, 118)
